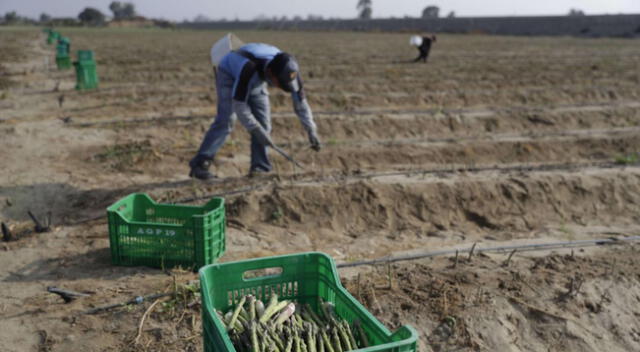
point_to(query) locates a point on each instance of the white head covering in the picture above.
(415, 40)
(223, 46)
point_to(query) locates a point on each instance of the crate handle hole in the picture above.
(122, 207)
(262, 273)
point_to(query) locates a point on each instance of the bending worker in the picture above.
(241, 80)
(424, 46)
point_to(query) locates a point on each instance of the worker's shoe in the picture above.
(257, 173)
(200, 169)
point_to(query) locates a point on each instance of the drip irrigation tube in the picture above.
(427, 111)
(499, 249)
(442, 171)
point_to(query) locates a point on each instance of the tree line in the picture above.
(126, 10)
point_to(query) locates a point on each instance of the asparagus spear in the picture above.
(327, 343)
(252, 307)
(259, 308)
(363, 337)
(271, 310)
(352, 339)
(289, 345)
(236, 312)
(344, 339)
(336, 340)
(254, 338)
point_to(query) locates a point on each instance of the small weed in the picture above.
(627, 159)
(277, 214)
(332, 141)
(564, 229)
(126, 156)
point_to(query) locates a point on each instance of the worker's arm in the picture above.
(241, 89)
(303, 111)
(246, 118)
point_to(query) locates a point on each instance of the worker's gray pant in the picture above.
(222, 125)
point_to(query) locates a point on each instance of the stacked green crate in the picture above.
(86, 74)
(63, 58)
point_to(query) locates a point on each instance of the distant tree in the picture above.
(201, 18)
(44, 18)
(91, 16)
(431, 12)
(575, 12)
(365, 9)
(129, 10)
(451, 14)
(11, 17)
(122, 10)
(312, 17)
(297, 18)
(116, 9)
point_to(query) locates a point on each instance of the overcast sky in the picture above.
(249, 9)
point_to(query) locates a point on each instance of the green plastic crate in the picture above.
(63, 62)
(86, 74)
(53, 37)
(304, 277)
(85, 55)
(143, 232)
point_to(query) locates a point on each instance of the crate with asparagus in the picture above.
(301, 308)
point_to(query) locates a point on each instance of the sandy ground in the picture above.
(496, 141)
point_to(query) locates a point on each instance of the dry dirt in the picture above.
(496, 141)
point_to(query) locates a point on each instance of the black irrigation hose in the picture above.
(135, 300)
(489, 138)
(444, 171)
(228, 193)
(499, 249)
(430, 111)
(187, 200)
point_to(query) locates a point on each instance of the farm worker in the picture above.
(424, 46)
(241, 84)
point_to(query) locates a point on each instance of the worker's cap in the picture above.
(415, 40)
(285, 69)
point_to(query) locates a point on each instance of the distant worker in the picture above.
(424, 46)
(241, 79)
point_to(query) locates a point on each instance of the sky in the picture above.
(249, 9)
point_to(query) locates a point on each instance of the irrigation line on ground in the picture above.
(342, 178)
(459, 169)
(431, 111)
(135, 300)
(499, 249)
(571, 135)
(186, 200)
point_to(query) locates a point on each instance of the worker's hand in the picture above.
(314, 141)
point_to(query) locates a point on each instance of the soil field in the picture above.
(497, 141)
